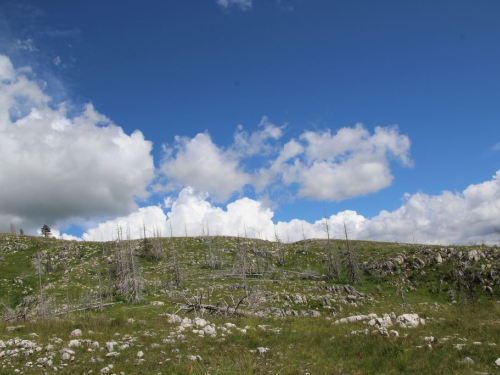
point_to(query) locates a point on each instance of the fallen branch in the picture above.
(218, 310)
(98, 306)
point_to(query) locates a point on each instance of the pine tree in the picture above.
(46, 232)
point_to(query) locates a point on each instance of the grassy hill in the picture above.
(225, 305)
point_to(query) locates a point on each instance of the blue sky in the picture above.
(199, 69)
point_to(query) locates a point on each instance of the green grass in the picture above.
(297, 345)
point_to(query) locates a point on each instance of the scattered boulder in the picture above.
(76, 333)
(409, 320)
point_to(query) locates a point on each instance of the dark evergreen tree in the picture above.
(46, 232)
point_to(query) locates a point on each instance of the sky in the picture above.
(264, 118)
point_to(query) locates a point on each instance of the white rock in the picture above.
(230, 325)
(429, 339)
(394, 333)
(140, 354)
(110, 345)
(95, 344)
(409, 320)
(262, 350)
(174, 318)
(210, 331)
(2, 344)
(76, 333)
(112, 354)
(356, 318)
(157, 303)
(383, 331)
(200, 322)
(65, 356)
(186, 322)
(468, 360)
(74, 343)
(497, 362)
(104, 370)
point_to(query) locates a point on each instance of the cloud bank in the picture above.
(448, 218)
(56, 168)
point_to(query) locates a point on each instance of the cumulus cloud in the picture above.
(448, 218)
(152, 218)
(198, 162)
(54, 167)
(350, 163)
(242, 4)
(325, 166)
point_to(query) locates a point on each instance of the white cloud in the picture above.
(26, 45)
(350, 163)
(7, 72)
(152, 218)
(198, 162)
(496, 147)
(55, 168)
(250, 144)
(242, 4)
(447, 218)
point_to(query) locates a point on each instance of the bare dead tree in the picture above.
(351, 260)
(212, 254)
(38, 265)
(401, 289)
(127, 272)
(280, 249)
(332, 269)
(305, 248)
(175, 261)
(241, 261)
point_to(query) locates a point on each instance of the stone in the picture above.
(186, 322)
(74, 343)
(110, 345)
(468, 360)
(174, 319)
(198, 322)
(409, 320)
(210, 331)
(65, 356)
(140, 354)
(76, 333)
(262, 350)
(394, 333)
